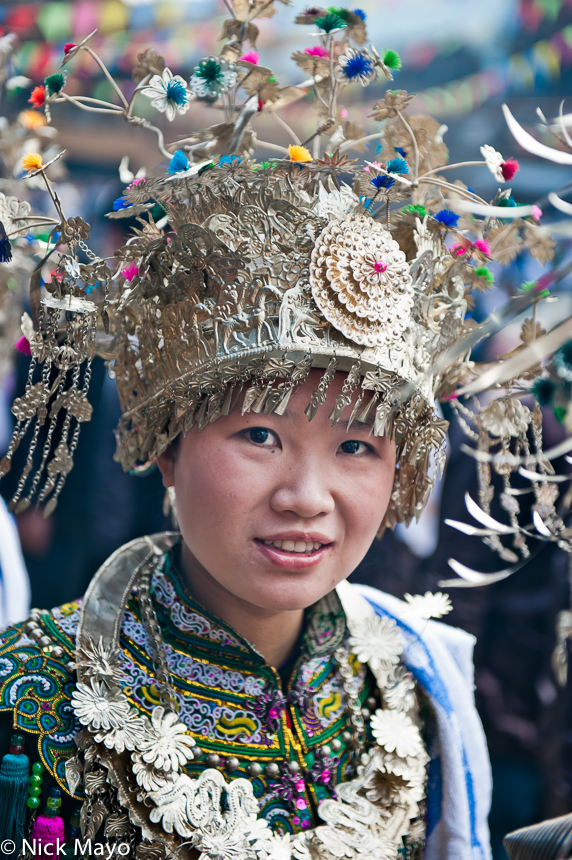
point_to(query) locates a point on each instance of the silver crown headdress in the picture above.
(242, 275)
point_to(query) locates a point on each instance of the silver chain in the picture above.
(157, 651)
(87, 250)
(351, 690)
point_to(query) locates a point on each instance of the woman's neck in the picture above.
(274, 633)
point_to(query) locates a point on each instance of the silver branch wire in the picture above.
(126, 111)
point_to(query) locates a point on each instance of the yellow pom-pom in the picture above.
(299, 153)
(32, 161)
(32, 119)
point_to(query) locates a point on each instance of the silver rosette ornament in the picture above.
(360, 281)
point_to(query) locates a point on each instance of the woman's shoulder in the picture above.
(37, 681)
(435, 636)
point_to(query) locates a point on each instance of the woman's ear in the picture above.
(166, 463)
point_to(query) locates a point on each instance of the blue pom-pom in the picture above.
(397, 165)
(178, 163)
(400, 151)
(447, 218)
(358, 66)
(228, 159)
(176, 92)
(120, 203)
(360, 13)
(382, 182)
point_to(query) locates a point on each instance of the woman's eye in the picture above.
(354, 447)
(262, 436)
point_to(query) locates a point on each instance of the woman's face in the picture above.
(276, 508)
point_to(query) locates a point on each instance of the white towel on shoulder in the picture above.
(459, 788)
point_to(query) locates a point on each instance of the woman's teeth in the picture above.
(294, 546)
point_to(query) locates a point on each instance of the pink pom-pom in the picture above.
(536, 212)
(251, 57)
(483, 246)
(457, 250)
(23, 345)
(317, 51)
(344, 113)
(48, 831)
(509, 168)
(130, 272)
(69, 46)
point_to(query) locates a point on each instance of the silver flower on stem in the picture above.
(168, 93)
(396, 732)
(378, 643)
(355, 66)
(126, 737)
(167, 744)
(428, 605)
(100, 707)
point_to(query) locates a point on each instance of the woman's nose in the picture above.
(305, 490)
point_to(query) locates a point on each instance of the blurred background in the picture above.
(463, 60)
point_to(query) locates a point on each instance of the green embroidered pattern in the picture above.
(37, 687)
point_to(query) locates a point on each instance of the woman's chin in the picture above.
(298, 593)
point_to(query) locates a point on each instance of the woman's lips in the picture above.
(292, 560)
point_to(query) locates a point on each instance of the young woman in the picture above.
(223, 693)
(247, 663)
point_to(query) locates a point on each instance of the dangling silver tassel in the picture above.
(295, 379)
(344, 398)
(319, 395)
(364, 415)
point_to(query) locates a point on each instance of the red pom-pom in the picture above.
(68, 46)
(37, 97)
(509, 168)
(23, 345)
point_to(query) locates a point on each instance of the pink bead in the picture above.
(301, 803)
(380, 266)
(273, 713)
(305, 824)
(300, 785)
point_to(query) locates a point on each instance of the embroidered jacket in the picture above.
(240, 710)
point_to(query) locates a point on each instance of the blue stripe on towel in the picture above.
(424, 670)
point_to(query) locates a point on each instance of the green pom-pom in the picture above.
(485, 273)
(342, 13)
(560, 413)
(330, 22)
(543, 391)
(391, 59)
(55, 83)
(416, 209)
(564, 355)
